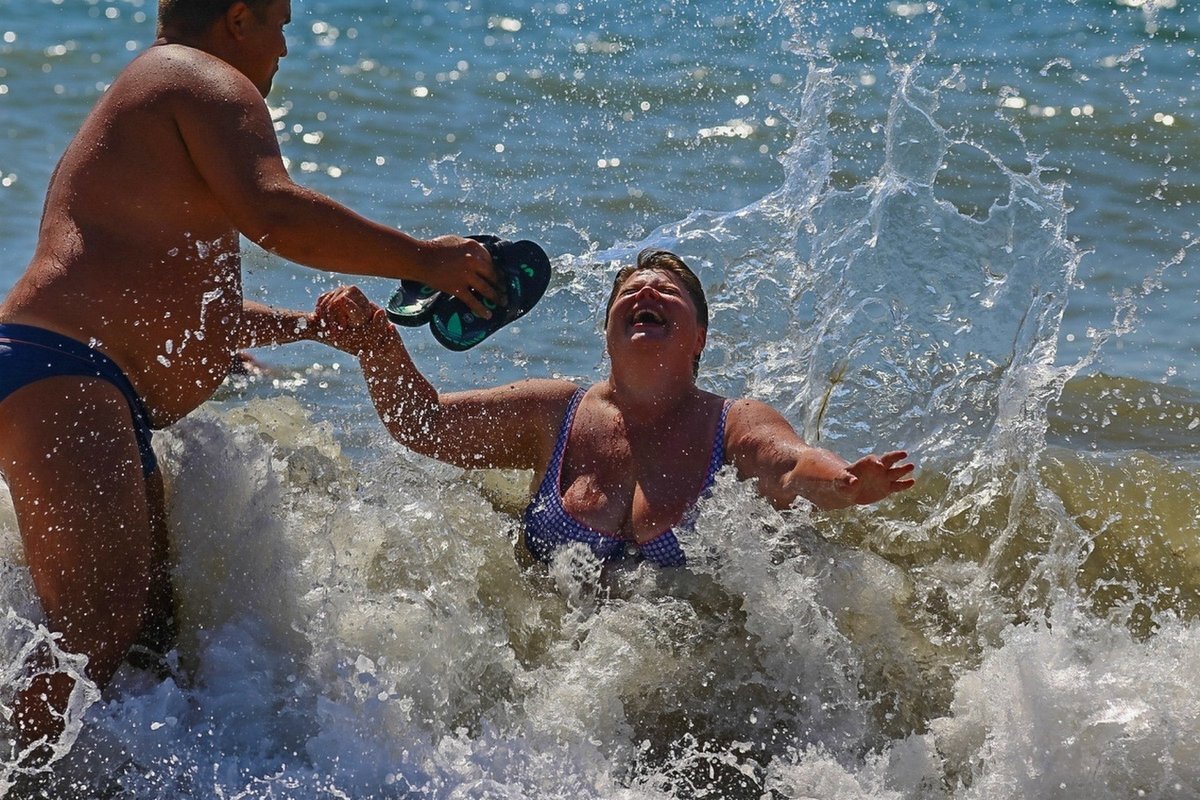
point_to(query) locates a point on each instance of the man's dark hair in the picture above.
(666, 261)
(193, 17)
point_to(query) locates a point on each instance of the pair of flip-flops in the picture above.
(525, 270)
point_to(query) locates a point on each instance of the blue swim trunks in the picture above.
(29, 354)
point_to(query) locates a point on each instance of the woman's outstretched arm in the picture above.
(511, 426)
(764, 446)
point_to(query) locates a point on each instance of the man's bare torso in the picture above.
(134, 254)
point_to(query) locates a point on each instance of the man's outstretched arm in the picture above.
(228, 131)
(264, 326)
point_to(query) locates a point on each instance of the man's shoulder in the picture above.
(177, 69)
(176, 56)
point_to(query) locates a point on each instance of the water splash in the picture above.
(22, 645)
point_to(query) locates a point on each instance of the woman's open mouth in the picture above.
(645, 317)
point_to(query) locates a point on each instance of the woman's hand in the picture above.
(875, 477)
(349, 321)
(827, 481)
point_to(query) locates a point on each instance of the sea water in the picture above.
(963, 229)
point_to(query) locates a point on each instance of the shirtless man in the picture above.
(131, 310)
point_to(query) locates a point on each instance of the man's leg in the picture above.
(70, 457)
(160, 628)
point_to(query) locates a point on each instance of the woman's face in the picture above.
(652, 308)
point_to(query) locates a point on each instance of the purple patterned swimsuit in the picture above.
(548, 525)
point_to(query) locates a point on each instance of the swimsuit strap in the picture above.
(554, 468)
(717, 459)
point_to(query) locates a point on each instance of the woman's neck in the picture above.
(649, 394)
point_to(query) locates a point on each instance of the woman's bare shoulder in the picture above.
(749, 418)
(530, 399)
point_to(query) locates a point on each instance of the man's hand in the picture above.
(349, 321)
(463, 268)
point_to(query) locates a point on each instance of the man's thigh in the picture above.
(70, 456)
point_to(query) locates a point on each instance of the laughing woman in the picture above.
(618, 466)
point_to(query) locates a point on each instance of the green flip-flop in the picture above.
(525, 269)
(411, 305)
